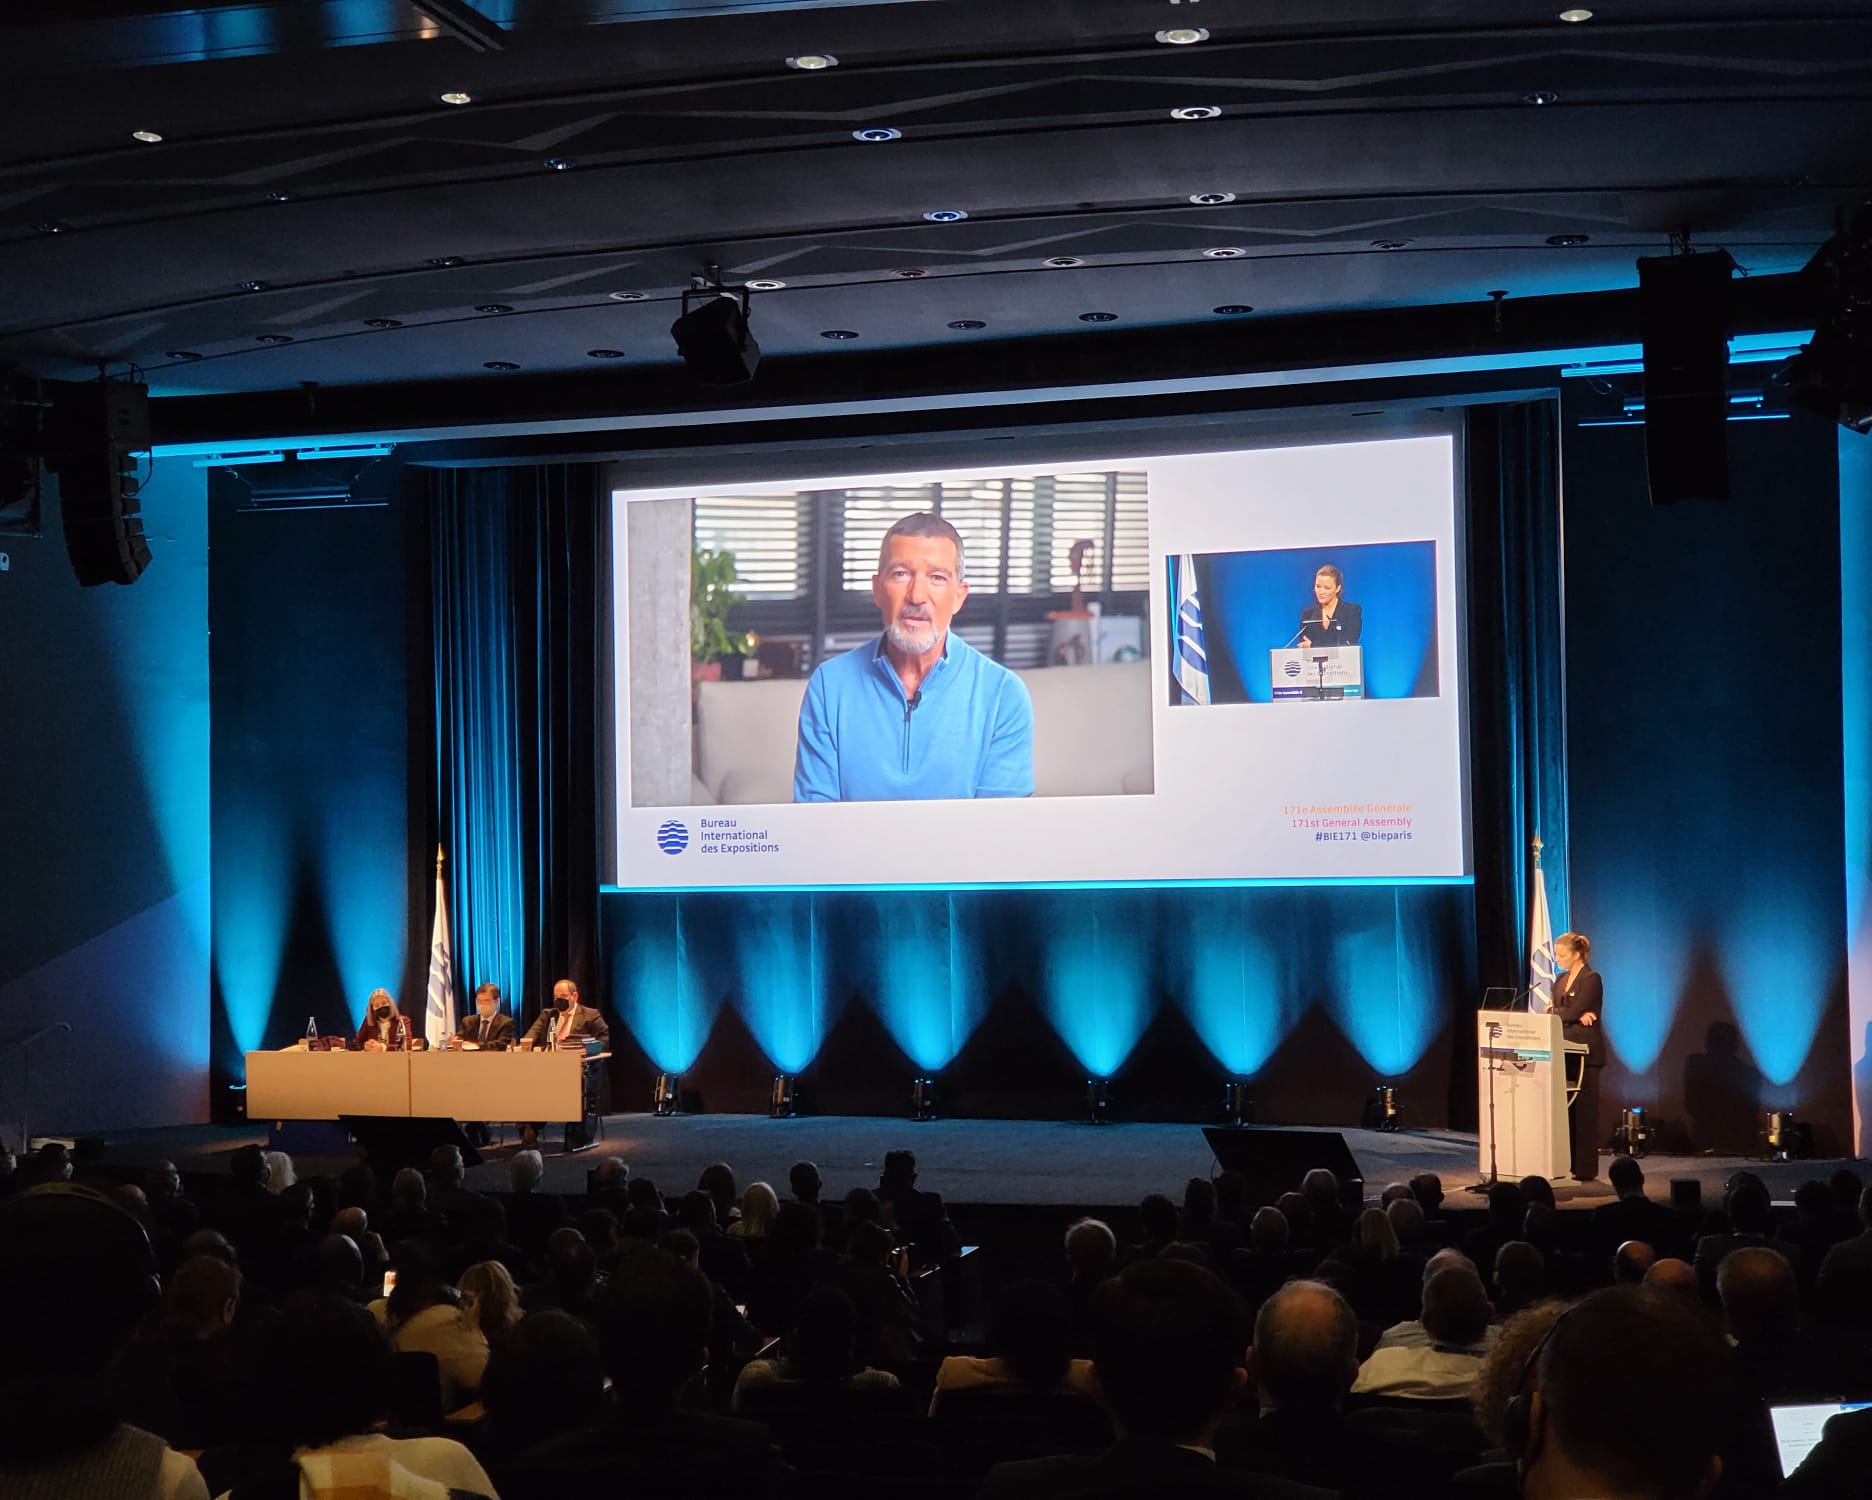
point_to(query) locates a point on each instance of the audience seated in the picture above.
(449, 1195)
(1303, 1361)
(1158, 1218)
(1749, 1211)
(545, 1380)
(1411, 1333)
(571, 1278)
(1673, 1275)
(718, 1182)
(1782, 1358)
(873, 1274)
(795, 1262)
(822, 1359)
(409, 1216)
(490, 1300)
(805, 1183)
(1843, 1289)
(188, 1376)
(1520, 1278)
(1455, 1318)
(533, 1215)
(1327, 1223)
(1633, 1216)
(1091, 1256)
(759, 1204)
(424, 1315)
(1632, 1262)
(1030, 1332)
(918, 1217)
(1373, 1273)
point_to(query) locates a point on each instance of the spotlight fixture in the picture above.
(1210, 200)
(1633, 1136)
(183, 354)
(923, 1099)
(383, 322)
(1183, 36)
(910, 273)
(812, 62)
(627, 296)
(492, 307)
(1237, 1107)
(604, 353)
(1225, 252)
(1539, 97)
(499, 364)
(838, 335)
(876, 133)
(1574, 16)
(255, 286)
(666, 1098)
(455, 96)
(1231, 309)
(1098, 317)
(783, 1102)
(967, 325)
(1062, 262)
(445, 262)
(1098, 1101)
(1788, 1139)
(1195, 112)
(273, 338)
(946, 215)
(557, 164)
(1832, 374)
(712, 333)
(1568, 241)
(768, 285)
(1390, 244)
(147, 137)
(1382, 1111)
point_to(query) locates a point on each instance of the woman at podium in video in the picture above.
(1332, 619)
(1578, 999)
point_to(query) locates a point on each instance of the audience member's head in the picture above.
(281, 1173)
(861, 1206)
(1749, 1204)
(1377, 1240)
(681, 1245)
(1159, 1218)
(130, 1198)
(340, 1265)
(1320, 1188)
(1813, 1201)
(571, 1264)
(1520, 1277)
(1540, 1225)
(446, 1166)
(696, 1213)
(161, 1181)
(525, 1170)
(804, 1182)
(1269, 1232)
(408, 1190)
(1537, 1189)
(1294, 1210)
(352, 1222)
(419, 1282)
(357, 1187)
(642, 1193)
(1499, 1378)
(869, 1245)
(1407, 1221)
(328, 1373)
(611, 1173)
(900, 1168)
(1445, 1258)
(795, 1233)
(1760, 1300)
(1199, 1208)
(202, 1297)
(718, 1181)
(600, 1228)
(1167, 1341)
(1847, 1190)
(644, 1225)
(1632, 1263)
(1427, 1188)
(248, 1166)
(489, 1298)
(1091, 1249)
(1393, 1192)
(1455, 1308)
(295, 1205)
(1626, 1177)
(1030, 1329)
(759, 1204)
(1506, 1209)
(545, 1377)
(825, 1343)
(1305, 1351)
(209, 1242)
(1582, 1434)
(1675, 1276)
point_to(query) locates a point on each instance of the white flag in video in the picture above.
(1540, 946)
(439, 1020)
(1192, 660)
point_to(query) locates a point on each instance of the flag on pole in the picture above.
(1192, 659)
(439, 1019)
(1541, 965)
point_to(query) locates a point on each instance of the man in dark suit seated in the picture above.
(1167, 1340)
(1843, 1289)
(1782, 1360)
(449, 1194)
(1750, 1212)
(653, 1327)
(919, 1217)
(1633, 1216)
(1303, 1361)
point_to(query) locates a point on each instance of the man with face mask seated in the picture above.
(385, 1028)
(569, 1022)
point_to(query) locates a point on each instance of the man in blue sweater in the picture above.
(918, 713)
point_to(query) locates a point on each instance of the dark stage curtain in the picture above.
(1516, 713)
(517, 569)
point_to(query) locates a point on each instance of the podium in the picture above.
(1317, 672)
(1524, 1056)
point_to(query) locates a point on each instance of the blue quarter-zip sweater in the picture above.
(861, 739)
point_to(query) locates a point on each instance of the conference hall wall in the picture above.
(104, 825)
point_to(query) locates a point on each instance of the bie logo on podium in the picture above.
(672, 837)
(1292, 668)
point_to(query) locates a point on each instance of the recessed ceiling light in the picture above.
(946, 215)
(499, 364)
(812, 62)
(1195, 112)
(492, 307)
(1183, 36)
(837, 333)
(279, 195)
(52, 226)
(383, 322)
(147, 137)
(273, 338)
(183, 354)
(767, 284)
(1062, 262)
(1540, 96)
(627, 296)
(443, 262)
(1209, 200)
(1231, 309)
(254, 286)
(1390, 244)
(967, 325)
(1575, 16)
(558, 164)
(604, 353)
(455, 96)
(1568, 241)
(1098, 317)
(910, 273)
(1225, 252)
(877, 133)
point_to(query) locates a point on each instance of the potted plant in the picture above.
(711, 597)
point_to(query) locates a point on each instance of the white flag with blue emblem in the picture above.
(1540, 945)
(439, 1019)
(1192, 659)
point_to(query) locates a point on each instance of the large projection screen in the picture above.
(1281, 700)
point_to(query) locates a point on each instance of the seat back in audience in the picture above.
(416, 1395)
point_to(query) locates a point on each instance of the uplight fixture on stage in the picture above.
(1384, 1111)
(782, 1104)
(1633, 1136)
(923, 1099)
(1237, 1107)
(668, 1095)
(1788, 1139)
(1098, 1101)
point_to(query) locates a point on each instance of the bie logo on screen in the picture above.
(1292, 668)
(672, 837)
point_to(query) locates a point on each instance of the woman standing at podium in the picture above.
(1331, 620)
(1578, 999)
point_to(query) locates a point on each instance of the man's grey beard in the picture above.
(904, 638)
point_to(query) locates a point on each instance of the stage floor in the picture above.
(988, 1162)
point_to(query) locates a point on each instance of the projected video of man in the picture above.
(917, 713)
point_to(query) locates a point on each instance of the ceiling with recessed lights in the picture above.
(368, 192)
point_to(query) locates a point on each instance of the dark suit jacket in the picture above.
(1638, 1218)
(1585, 995)
(1342, 630)
(580, 1020)
(496, 1034)
(1133, 1468)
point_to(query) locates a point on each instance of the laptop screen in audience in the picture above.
(1797, 1428)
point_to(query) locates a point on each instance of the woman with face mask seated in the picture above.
(385, 1028)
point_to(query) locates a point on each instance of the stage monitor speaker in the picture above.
(97, 429)
(1274, 1161)
(1683, 309)
(392, 1142)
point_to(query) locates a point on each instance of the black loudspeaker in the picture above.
(714, 339)
(1683, 307)
(1274, 1161)
(97, 428)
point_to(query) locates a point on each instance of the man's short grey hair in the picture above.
(525, 1170)
(926, 523)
